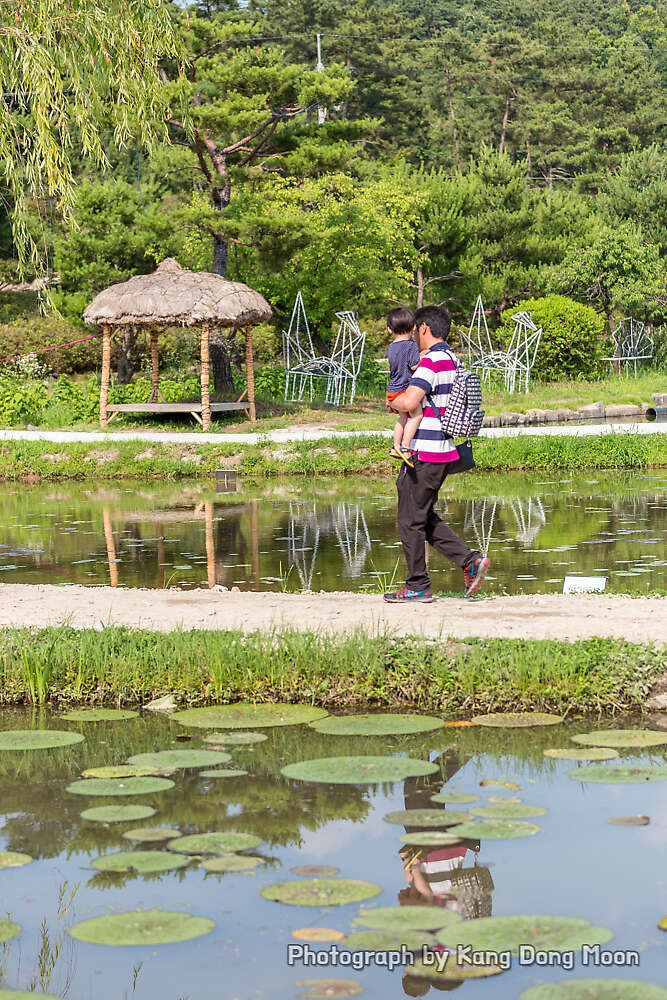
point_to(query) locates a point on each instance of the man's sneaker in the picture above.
(474, 573)
(406, 596)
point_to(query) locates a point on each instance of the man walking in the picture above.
(418, 487)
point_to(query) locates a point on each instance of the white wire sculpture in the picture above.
(482, 357)
(298, 352)
(303, 539)
(530, 518)
(631, 344)
(346, 358)
(307, 527)
(521, 353)
(480, 515)
(354, 541)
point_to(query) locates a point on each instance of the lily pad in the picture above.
(431, 838)
(426, 817)
(151, 834)
(456, 798)
(613, 775)
(511, 786)
(99, 715)
(386, 940)
(622, 738)
(21, 995)
(321, 892)
(142, 927)
(508, 933)
(216, 843)
(629, 820)
(119, 771)
(358, 770)
(12, 859)
(662, 924)
(315, 871)
(494, 829)
(37, 739)
(507, 810)
(317, 934)
(517, 720)
(235, 739)
(8, 930)
(571, 753)
(223, 772)
(230, 863)
(453, 971)
(328, 989)
(376, 725)
(415, 918)
(139, 861)
(118, 814)
(595, 989)
(245, 716)
(119, 786)
(167, 759)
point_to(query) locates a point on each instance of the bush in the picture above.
(572, 337)
(79, 402)
(270, 382)
(21, 401)
(33, 332)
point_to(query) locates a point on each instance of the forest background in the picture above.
(509, 149)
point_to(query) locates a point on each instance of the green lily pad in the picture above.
(455, 798)
(118, 814)
(216, 843)
(453, 971)
(140, 861)
(245, 716)
(150, 834)
(12, 859)
(494, 829)
(508, 933)
(595, 989)
(376, 725)
(508, 810)
(315, 871)
(613, 775)
(37, 739)
(385, 940)
(358, 770)
(414, 918)
(629, 820)
(571, 753)
(142, 927)
(119, 786)
(321, 892)
(222, 772)
(8, 930)
(99, 715)
(230, 863)
(662, 924)
(516, 720)
(21, 995)
(431, 838)
(164, 760)
(119, 771)
(328, 989)
(622, 738)
(235, 739)
(426, 817)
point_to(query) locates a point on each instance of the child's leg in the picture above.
(410, 426)
(399, 428)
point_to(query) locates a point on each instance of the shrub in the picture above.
(33, 332)
(21, 401)
(572, 337)
(270, 382)
(78, 401)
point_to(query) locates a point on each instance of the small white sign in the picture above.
(584, 584)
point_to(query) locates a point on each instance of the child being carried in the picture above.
(403, 355)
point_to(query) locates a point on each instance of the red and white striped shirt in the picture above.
(435, 375)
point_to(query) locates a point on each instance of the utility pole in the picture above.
(321, 111)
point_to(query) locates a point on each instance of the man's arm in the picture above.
(409, 400)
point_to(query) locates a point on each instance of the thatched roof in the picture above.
(172, 295)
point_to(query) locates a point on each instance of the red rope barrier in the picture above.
(43, 350)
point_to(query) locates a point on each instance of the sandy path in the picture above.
(532, 617)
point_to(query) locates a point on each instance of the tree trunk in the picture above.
(420, 287)
(223, 382)
(617, 350)
(503, 134)
(125, 369)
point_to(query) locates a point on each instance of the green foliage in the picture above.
(173, 389)
(80, 401)
(270, 382)
(25, 329)
(21, 401)
(572, 336)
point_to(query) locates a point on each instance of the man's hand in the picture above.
(389, 406)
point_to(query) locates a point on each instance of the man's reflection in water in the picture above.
(439, 877)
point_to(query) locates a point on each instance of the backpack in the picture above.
(462, 417)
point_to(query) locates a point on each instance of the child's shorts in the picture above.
(391, 396)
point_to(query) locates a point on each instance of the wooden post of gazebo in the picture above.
(205, 378)
(250, 372)
(106, 374)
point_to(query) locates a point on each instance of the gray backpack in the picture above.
(462, 416)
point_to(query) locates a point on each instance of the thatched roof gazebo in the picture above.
(174, 296)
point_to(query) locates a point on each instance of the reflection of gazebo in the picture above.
(173, 296)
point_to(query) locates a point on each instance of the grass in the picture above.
(130, 667)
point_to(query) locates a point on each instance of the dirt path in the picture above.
(532, 617)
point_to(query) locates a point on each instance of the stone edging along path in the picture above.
(539, 616)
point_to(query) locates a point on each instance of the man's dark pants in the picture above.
(418, 522)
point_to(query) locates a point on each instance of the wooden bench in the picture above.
(194, 408)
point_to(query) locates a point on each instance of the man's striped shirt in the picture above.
(435, 375)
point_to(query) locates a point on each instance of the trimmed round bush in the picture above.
(572, 337)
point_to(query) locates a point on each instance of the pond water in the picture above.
(335, 534)
(576, 866)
